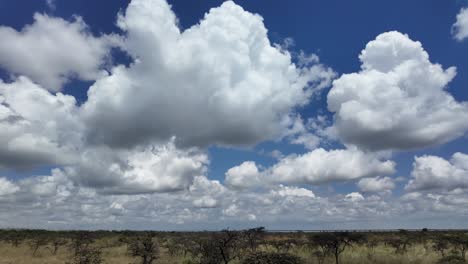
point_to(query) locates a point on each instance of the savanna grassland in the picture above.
(228, 246)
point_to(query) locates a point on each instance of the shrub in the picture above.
(453, 259)
(272, 258)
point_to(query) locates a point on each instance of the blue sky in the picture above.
(149, 130)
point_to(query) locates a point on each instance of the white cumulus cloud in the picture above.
(322, 166)
(218, 82)
(243, 176)
(398, 100)
(436, 173)
(460, 28)
(36, 127)
(316, 167)
(52, 50)
(7, 187)
(377, 184)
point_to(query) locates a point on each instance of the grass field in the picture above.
(188, 248)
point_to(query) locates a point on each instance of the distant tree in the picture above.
(57, 242)
(400, 242)
(145, 248)
(283, 246)
(37, 241)
(371, 243)
(220, 247)
(14, 237)
(253, 237)
(320, 255)
(83, 251)
(336, 243)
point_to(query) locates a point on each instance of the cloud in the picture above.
(460, 28)
(316, 167)
(398, 100)
(7, 187)
(218, 82)
(439, 174)
(54, 201)
(354, 197)
(51, 51)
(243, 176)
(51, 4)
(322, 166)
(41, 128)
(286, 191)
(36, 127)
(377, 184)
(154, 168)
(205, 202)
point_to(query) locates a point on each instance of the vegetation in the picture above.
(252, 246)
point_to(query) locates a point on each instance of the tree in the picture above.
(37, 241)
(14, 237)
(400, 242)
(83, 252)
(57, 242)
(335, 243)
(219, 247)
(253, 237)
(145, 248)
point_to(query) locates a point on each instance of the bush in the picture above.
(272, 258)
(453, 259)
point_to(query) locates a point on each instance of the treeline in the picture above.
(251, 246)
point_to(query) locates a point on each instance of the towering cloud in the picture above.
(398, 100)
(219, 82)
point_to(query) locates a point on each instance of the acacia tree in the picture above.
(15, 237)
(83, 252)
(145, 248)
(253, 237)
(56, 243)
(335, 243)
(220, 247)
(400, 242)
(39, 240)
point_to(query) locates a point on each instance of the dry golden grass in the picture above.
(116, 253)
